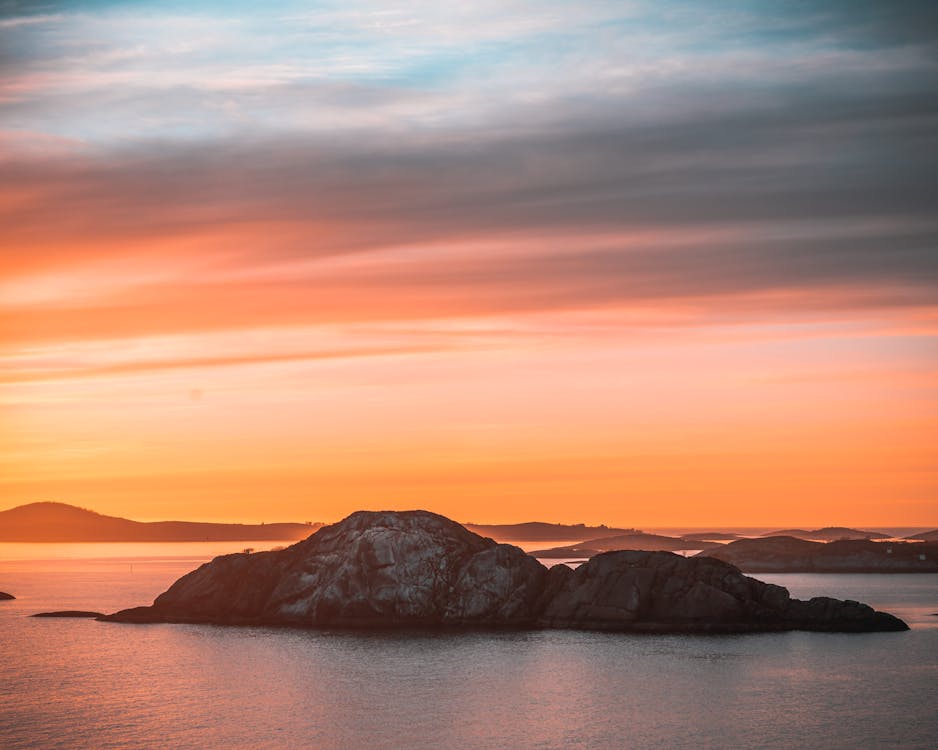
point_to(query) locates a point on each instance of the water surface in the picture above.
(85, 684)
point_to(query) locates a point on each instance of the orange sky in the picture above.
(555, 308)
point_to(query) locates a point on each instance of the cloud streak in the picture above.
(537, 231)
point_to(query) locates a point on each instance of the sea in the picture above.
(75, 684)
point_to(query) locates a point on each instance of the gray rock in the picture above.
(372, 569)
(394, 569)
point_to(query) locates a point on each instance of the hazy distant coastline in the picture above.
(59, 522)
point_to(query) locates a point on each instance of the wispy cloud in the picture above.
(19, 21)
(592, 224)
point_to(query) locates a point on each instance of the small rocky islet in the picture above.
(73, 613)
(393, 569)
(5, 597)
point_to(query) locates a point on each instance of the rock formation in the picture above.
(4, 597)
(637, 541)
(372, 569)
(781, 554)
(393, 569)
(70, 613)
(663, 592)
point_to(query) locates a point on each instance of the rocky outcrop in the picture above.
(393, 569)
(70, 613)
(663, 592)
(711, 536)
(637, 541)
(5, 597)
(372, 569)
(782, 554)
(538, 531)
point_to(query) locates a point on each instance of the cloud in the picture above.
(19, 21)
(797, 157)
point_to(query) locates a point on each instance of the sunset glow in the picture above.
(630, 264)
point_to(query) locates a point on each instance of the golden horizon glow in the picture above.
(354, 271)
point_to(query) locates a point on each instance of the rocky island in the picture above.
(418, 569)
(828, 534)
(5, 597)
(785, 554)
(633, 541)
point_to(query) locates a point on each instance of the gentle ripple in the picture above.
(83, 684)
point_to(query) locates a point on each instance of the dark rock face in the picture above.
(393, 569)
(784, 554)
(5, 597)
(70, 613)
(663, 592)
(372, 569)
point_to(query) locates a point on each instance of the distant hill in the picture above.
(926, 536)
(829, 534)
(711, 536)
(639, 541)
(59, 522)
(538, 531)
(785, 554)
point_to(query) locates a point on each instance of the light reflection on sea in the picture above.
(84, 684)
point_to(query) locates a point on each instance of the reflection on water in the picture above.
(84, 684)
(11, 552)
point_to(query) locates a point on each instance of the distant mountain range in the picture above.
(538, 531)
(59, 522)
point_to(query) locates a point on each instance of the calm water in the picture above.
(84, 684)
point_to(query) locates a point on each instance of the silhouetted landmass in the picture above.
(785, 554)
(70, 613)
(641, 542)
(418, 569)
(538, 531)
(829, 534)
(59, 522)
(926, 536)
(711, 536)
(5, 597)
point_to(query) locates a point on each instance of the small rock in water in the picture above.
(4, 596)
(69, 613)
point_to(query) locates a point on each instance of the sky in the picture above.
(638, 263)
